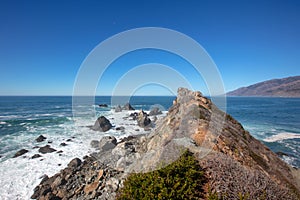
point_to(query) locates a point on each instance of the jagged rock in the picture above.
(127, 106)
(142, 119)
(41, 138)
(36, 156)
(20, 153)
(46, 149)
(155, 111)
(92, 180)
(118, 108)
(102, 124)
(103, 105)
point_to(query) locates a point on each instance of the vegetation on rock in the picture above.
(183, 179)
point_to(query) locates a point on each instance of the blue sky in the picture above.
(43, 43)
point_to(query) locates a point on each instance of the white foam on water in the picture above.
(282, 136)
(19, 176)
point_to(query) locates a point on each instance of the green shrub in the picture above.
(183, 179)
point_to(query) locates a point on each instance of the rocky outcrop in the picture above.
(234, 162)
(81, 180)
(41, 138)
(118, 108)
(194, 122)
(102, 124)
(127, 106)
(142, 119)
(20, 153)
(46, 149)
(155, 111)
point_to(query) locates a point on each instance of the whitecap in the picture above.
(2, 123)
(282, 136)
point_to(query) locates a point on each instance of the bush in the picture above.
(183, 179)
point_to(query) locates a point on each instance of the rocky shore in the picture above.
(234, 162)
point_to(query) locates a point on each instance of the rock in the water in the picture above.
(103, 105)
(63, 144)
(127, 106)
(118, 108)
(36, 156)
(46, 149)
(155, 111)
(102, 124)
(143, 120)
(41, 138)
(20, 153)
(121, 128)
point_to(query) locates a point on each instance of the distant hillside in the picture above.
(285, 87)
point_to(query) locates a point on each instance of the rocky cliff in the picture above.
(234, 162)
(286, 87)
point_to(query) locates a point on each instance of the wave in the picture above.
(282, 136)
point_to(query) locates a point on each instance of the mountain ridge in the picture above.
(284, 87)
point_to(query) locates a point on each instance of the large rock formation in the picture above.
(234, 162)
(102, 124)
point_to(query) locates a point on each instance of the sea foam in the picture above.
(19, 176)
(282, 136)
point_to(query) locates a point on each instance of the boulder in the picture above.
(127, 106)
(46, 149)
(36, 156)
(41, 138)
(118, 108)
(107, 143)
(20, 153)
(63, 144)
(95, 144)
(76, 162)
(103, 105)
(155, 111)
(102, 124)
(143, 120)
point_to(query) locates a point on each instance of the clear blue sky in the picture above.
(43, 43)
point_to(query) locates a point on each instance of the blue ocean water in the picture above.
(274, 121)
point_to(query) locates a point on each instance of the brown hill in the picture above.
(285, 87)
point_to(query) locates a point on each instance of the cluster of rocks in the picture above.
(127, 106)
(81, 180)
(98, 176)
(43, 150)
(102, 124)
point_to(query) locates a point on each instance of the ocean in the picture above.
(274, 121)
